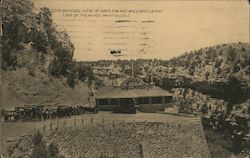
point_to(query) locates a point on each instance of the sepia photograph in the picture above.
(125, 79)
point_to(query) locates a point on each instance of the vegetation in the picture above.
(28, 31)
(232, 91)
(220, 71)
(41, 150)
(234, 134)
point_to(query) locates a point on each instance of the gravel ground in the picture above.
(124, 140)
(91, 140)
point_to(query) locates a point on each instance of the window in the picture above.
(103, 102)
(144, 100)
(126, 102)
(156, 100)
(114, 102)
(168, 99)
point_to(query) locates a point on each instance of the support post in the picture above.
(91, 120)
(51, 128)
(119, 102)
(109, 101)
(150, 100)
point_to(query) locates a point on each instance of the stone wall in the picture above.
(119, 139)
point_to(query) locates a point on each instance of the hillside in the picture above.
(20, 88)
(215, 63)
(214, 71)
(37, 65)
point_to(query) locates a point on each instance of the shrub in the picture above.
(31, 71)
(243, 49)
(39, 150)
(53, 149)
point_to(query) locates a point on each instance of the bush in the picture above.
(71, 80)
(243, 49)
(31, 71)
(4, 65)
(53, 150)
(39, 150)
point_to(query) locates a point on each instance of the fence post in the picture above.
(91, 120)
(64, 123)
(51, 128)
(82, 120)
(145, 124)
(44, 128)
(57, 125)
(74, 122)
(134, 125)
(102, 123)
(123, 123)
(113, 123)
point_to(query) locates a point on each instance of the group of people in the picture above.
(32, 113)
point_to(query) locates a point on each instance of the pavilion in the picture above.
(133, 94)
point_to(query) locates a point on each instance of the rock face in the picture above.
(132, 140)
(19, 147)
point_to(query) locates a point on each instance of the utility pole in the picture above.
(152, 79)
(132, 69)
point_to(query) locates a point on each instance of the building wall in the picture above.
(107, 105)
(141, 107)
(153, 107)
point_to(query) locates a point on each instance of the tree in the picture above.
(234, 91)
(231, 55)
(243, 49)
(207, 74)
(18, 18)
(84, 72)
(39, 150)
(71, 79)
(218, 63)
(191, 72)
(63, 50)
(53, 150)
(193, 65)
(39, 39)
(236, 68)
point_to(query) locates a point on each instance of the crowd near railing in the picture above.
(42, 113)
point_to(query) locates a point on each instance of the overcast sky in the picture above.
(173, 28)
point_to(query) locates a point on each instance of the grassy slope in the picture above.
(19, 88)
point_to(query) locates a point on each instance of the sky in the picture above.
(127, 29)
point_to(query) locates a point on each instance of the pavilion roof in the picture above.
(114, 92)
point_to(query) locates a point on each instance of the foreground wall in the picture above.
(152, 139)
